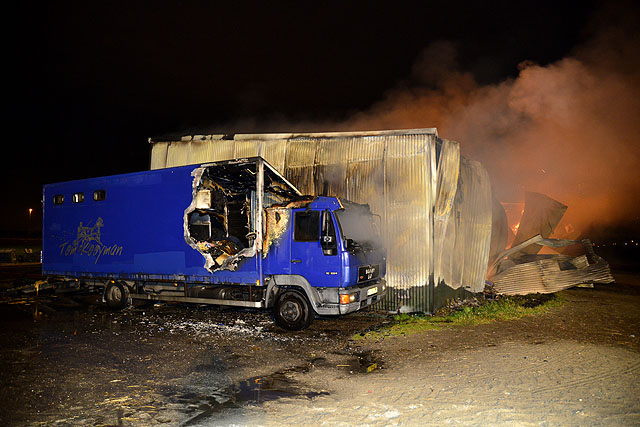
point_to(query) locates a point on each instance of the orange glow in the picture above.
(514, 213)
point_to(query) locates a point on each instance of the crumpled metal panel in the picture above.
(447, 178)
(541, 216)
(546, 276)
(397, 174)
(464, 252)
(518, 270)
(499, 230)
(448, 174)
(547, 273)
(476, 219)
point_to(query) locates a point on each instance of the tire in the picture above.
(117, 295)
(293, 311)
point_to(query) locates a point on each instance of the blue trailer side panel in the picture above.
(136, 232)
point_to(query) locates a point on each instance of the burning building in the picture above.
(441, 225)
(435, 206)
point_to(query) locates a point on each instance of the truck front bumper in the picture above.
(359, 297)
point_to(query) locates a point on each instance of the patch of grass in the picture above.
(505, 308)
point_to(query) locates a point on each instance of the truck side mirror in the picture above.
(348, 244)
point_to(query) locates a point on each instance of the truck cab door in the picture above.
(314, 249)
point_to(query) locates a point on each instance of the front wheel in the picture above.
(117, 295)
(293, 311)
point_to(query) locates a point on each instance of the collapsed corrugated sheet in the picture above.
(545, 274)
(499, 230)
(541, 216)
(520, 271)
(435, 205)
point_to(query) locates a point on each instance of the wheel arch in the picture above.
(283, 282)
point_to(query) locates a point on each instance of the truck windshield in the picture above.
(356, 222)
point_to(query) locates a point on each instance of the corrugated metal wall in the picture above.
(436, 217)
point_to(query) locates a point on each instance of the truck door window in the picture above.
(329, 242)
(307, 226)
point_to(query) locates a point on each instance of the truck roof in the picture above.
(236, 170)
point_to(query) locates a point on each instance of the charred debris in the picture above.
(220, 219)
(522, 269)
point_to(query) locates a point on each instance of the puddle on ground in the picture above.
(360, 362)
(364, 362)
(253, 391)
(275, 386)
(258, 390)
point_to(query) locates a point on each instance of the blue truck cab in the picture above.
(229, 233)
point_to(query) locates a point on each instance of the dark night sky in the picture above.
(91, 81)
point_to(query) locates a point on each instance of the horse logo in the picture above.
(89, 234)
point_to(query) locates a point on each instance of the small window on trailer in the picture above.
(99, 195)
(58, 199)
(78, 197)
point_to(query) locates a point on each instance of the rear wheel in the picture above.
(293, 311)
(117, 295)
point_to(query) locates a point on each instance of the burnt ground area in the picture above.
(69, 361)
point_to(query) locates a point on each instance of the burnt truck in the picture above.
(233, 233)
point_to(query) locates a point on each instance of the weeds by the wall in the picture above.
(505, 308)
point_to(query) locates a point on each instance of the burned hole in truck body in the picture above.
(222, 222)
